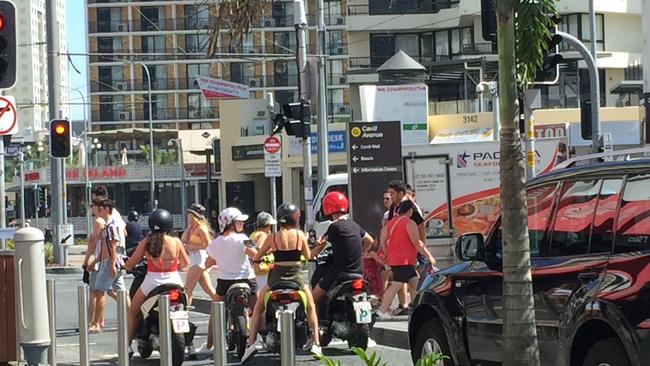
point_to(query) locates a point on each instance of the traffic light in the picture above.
(60, 138)
(296, 119)
(585, 119)
(552, 58)
(7, 44)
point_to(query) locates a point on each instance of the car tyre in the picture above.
(431, 338)
(607, 352)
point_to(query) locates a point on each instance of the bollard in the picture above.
(33, 320)
(51, 309)
(218, 315)
(287, 342)
(122, 329)
(82, 304)
(164, 324)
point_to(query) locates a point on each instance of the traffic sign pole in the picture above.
(8, 126)
(273, 166)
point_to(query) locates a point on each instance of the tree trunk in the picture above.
(519, 332)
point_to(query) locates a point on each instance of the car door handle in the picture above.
(587, 276)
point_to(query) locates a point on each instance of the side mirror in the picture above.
(470, 247)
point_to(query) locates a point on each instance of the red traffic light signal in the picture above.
(7, 44)
(60, 140)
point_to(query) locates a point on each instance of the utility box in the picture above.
(8, 345)
(33, 320)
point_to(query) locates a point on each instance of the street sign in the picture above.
(66, 233)
(8, 116)
(272, 157)
(12, 149)
(375, 158)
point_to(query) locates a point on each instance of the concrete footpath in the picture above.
(391, 333)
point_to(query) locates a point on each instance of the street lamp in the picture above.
(181, 161)
(96, 145)
(89, 218)
(493, 87)
(151, 157)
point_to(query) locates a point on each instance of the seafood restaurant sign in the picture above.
(221, 89)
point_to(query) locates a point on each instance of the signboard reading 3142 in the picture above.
(375, 158)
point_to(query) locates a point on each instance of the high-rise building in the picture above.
(31, 77)
(172, 38)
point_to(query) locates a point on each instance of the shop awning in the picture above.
(627, 87)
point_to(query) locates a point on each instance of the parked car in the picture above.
(590, 254)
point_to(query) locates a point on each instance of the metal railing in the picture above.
(482, 48)
(380, 8)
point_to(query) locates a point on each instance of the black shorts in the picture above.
(403, 273)
(224, 285)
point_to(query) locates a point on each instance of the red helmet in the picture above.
(335, 202)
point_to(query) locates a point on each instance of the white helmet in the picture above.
(230, 215)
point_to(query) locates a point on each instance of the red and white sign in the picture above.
(221, 89)
(272, 157)
(8, 116)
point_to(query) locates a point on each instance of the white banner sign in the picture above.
(221, 89)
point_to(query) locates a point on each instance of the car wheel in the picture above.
(431, 339)
(607, 352)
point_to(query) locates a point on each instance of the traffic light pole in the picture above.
(594, 84)
(300, 23)
(645, 12)
(323, 134)
(57, 165)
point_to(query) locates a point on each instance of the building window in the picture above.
(284, 42)
(283, 13)
(194, 70)
(378, 7)
(108, 45)
(159, 107)
(197, 43)
(424, 47)
(152, 18)
(335, 42)
(285, 73)
(578, 25)
(111, 78)
(243, 73)
(333, 14)
(153, 44)
(336, 102)
(197, 17)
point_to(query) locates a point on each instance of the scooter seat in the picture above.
(285, 285)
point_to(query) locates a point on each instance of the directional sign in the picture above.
(272, 157)
(8, 116)
(66, 233)
(375, 158)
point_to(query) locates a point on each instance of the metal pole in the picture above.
(21, 156)
(36, 199)
(592, 28)
(323, 135)
(183, 190)
(122, 329)
(645, 14)
(270, 106)
(208, 184)
(595, 88)
(164, 324)
(86, 144)
(152, 191)
(54, 93)
(51, 309)
(82, 305)
(287, 348)
(300, 23)
(494, 89)
(218, 314)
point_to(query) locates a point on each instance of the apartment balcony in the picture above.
(137, 25)
(401, 7)
(332, 49)
(123, 114)
(467, 51)
(117, 86)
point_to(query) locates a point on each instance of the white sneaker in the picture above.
(385, 315)
(250, 351)
(371, 343)
(316, 350)
(204, 349)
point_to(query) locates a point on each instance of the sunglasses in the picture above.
(387, 198)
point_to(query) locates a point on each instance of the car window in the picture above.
(602, 233)
(573, 219)
(540, 203)
(633, 225)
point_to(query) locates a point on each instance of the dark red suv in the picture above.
(590, 247)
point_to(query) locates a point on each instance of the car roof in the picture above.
(595, 170)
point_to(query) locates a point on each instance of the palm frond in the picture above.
(532, 29)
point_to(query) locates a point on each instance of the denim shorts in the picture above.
(105, 280)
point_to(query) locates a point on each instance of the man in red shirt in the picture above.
(401, 240)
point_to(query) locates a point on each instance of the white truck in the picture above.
(456, 185)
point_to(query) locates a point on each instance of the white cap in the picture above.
(230, 215)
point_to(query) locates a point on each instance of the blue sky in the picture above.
(76, 31)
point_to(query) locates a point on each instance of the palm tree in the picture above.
(237, 17)
(522, 28)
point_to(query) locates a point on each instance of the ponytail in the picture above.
(155, 243)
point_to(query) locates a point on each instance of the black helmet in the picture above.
(161, 220)
(133, 216)
(287, 214)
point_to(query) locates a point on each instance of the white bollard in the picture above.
(218, 315)
(122, 329)
(288, 341)
(82, 297)
(51, 309)
(165, 327)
